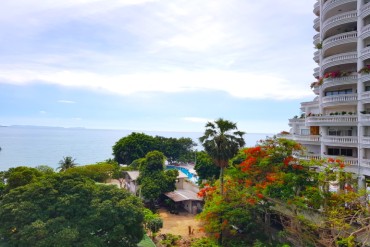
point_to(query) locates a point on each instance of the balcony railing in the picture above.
(310, 157)
(365, 96)
(316, 39)
(316, 57)
(316, 72)
(340, 98)
(316, 24)
(365, 53)
(365, 117)
(331, 120)
(334, 3)
(365, 31)
(348, 160)
(316, 8)
(365, 10)
(310, 104)
(338, 81)
(365, 140)
(340, 19)
(343, 58)
(365, 163)
(338, 39)
(341, 139)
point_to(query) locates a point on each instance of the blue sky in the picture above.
(155, 64)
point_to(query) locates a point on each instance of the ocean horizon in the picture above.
(41, 145)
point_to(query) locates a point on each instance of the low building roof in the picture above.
(133, 174)
(183, 195)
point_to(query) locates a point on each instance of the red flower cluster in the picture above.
(332, 74)
(206, 190)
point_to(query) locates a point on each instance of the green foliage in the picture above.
(98, 172)
(153, 179)
(170, 240)
(137, 145)
(45, 169)
(222, 141)
(205, 167)
(152, 221)
(19, 176)
(132, 147)
(66, 163)
(204, 242)
(61, 210)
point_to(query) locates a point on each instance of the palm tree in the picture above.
(222, 141)
(66, 163)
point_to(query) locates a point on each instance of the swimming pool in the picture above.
(192, 177)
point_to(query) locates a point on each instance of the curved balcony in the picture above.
(316, 56)
(349, 120)
(316, 8)
(364, 78)
(365, 119)
(340, 140)
(339, 39)
(316, 72)
(299, 121)
(365, 140)
(365, 53)
(310, 104)
(316, 24)
(365, 32)
(340, 19)
(365, 97)
(365, 163)
(365, 10)
(330, 4)
(339, 81)
(316, 39)
(343, 58)
(343, 99)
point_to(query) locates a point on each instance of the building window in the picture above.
(340, 151)
(337, 92)
(336, 132)
(305, 132)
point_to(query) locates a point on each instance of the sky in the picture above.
(162, 65)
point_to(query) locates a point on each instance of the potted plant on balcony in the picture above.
(318, 46)
(365, 69)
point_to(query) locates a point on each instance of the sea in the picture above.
(32, 146)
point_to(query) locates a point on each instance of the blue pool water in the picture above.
(192, 177)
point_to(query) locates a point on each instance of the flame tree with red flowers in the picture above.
(272, 181)
(222, 141)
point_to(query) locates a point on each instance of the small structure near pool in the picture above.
(185, 195)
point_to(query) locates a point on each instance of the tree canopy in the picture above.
(65, 210)
(153, 179)
(271, 181)
(137, 145)
(206, 167)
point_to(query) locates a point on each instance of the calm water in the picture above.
(30, 146)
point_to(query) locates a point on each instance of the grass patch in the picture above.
(146, 242)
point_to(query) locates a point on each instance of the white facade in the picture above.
(337, 122)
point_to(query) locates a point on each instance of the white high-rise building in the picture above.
(337, 122)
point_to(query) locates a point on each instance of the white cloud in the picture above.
(237, 84)
(66, 101)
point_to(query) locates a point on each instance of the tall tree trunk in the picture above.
(222, 199)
